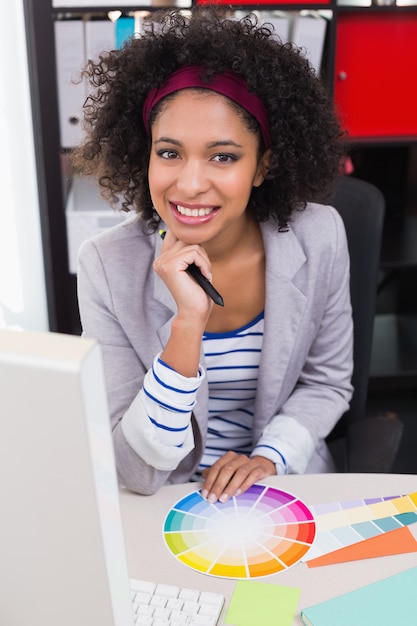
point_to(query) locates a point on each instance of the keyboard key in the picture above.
(209, 609)
(158, 601)
(145, 609)
(167, 590)
(143, 620)
(161, 613)
(189, 594)
(203, 620)
(174, 604)
(142, 585)
(142, 598)
(190, 607)
(207, 597)
(177, 617)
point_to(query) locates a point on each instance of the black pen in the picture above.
(204, 283)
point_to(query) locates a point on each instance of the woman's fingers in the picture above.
(171, 265)
(233, 474)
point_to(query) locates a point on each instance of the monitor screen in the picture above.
(62, 554)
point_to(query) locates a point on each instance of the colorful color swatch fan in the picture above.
(261, 532)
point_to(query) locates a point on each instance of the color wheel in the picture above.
(261, 532)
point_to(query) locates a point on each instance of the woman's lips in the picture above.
(193, 214)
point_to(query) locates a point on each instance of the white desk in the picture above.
(148, 557)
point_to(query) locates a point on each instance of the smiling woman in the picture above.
(225, 138)
(202, 169)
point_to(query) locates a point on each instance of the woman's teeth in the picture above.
(193, 212)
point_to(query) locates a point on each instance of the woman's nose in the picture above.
(192, 178)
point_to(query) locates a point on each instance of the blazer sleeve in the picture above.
(144, 459)
(322, 388)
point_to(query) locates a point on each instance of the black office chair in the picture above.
(360, 443)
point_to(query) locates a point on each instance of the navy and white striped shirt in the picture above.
(232, 363)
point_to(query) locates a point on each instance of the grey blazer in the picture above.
(306, 361)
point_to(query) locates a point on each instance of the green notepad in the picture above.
(256, 603)
(388, 602)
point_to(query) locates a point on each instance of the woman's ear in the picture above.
(262, 169)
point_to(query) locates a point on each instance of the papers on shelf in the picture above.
(308, 33)
(87, 214)
(306, 29)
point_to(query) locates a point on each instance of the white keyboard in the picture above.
(167, 605)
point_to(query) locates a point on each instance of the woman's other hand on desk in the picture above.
(233, 474)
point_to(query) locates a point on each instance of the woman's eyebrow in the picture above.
(175, 142)
(225, 142)
(211, 144)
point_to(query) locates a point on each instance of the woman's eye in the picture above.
(224, 158)
(168, 154)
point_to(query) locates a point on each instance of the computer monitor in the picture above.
(62, 552)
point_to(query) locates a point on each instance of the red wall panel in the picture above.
(376, 73)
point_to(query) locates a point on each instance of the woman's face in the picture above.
(204, 162)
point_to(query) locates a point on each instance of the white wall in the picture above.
(23, 301)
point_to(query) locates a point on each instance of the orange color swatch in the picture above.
(398, 541)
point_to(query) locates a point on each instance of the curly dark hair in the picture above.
(306, 138)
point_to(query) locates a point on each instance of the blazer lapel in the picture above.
(284, 308)
(162, 295)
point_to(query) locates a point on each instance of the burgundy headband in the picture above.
(227, 84)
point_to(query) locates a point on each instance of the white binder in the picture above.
(70, 58)
(99, 37)
(309, 33)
